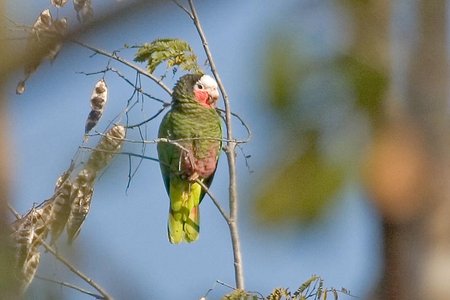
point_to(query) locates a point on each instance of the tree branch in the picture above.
(77, 272)
(231, 157)
(72, 286)
(183, 8)
(214, 200)
(114, 56)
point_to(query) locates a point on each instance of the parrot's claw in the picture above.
(193, 177)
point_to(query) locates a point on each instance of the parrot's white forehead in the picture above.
(208, 81)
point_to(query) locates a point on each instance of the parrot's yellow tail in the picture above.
(184, 213)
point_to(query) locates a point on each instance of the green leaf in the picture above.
(306, 285)
(174, 52)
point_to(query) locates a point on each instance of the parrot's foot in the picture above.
(193, 177)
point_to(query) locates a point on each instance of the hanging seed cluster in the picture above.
(67, 208)
(98, 100)
(44, 42)
(59, 3)
(84, 10)
(28, 233)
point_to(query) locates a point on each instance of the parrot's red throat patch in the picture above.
(204, 98)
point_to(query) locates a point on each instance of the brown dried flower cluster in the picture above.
(67, 208)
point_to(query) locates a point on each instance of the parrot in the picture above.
(188, 151)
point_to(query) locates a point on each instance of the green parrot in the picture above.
(193, 128)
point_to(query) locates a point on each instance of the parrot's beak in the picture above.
(213, 96)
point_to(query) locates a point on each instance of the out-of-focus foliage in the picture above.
(174, 52)
(315, 96)
(368, 83)
(397, 171)
(301, 188)
(281, 73)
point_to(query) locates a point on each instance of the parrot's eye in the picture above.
(199, 86)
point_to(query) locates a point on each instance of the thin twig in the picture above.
(123, 77)
(148, 120)
(183, 8)
(67, 263)
(77, 272)
(125, 62)
(231, 157)
(247, 128)
(214, 200)
(71, 286)
(164, 140)
(14, 212)
(138, 89)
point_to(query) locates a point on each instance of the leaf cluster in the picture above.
(174, 52)
(313, 288)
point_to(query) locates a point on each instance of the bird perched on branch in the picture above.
(188, 152)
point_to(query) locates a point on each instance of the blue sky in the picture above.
(123, 243)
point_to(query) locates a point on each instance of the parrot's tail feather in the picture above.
(192, 225)
(184, 213)
(175, 228)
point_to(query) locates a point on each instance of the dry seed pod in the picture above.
(43, 22)
(20, 87)
(22, 236)
(27, 237)
(26, 274)
(105, 150)
(57, 31)
(59, 3)
(82, 188)
(84, 10)
(81, 204)
(99, 95)
(64, 176)
(98, 100)
(93, 118)
(45, 41)
(43, 215)
(61, 210)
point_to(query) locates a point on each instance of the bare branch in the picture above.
(148, 120)
(183, 8)
(124, 78)
(231, 157)
(77, 272)
(244, 124)
(214, 200)
(72, 286)
(127, 63)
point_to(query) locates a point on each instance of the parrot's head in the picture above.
(198, 87)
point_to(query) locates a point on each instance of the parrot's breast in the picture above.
(204, 166)
(197, 132)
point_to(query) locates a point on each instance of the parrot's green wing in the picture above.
(184, 217)
(165, 151)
